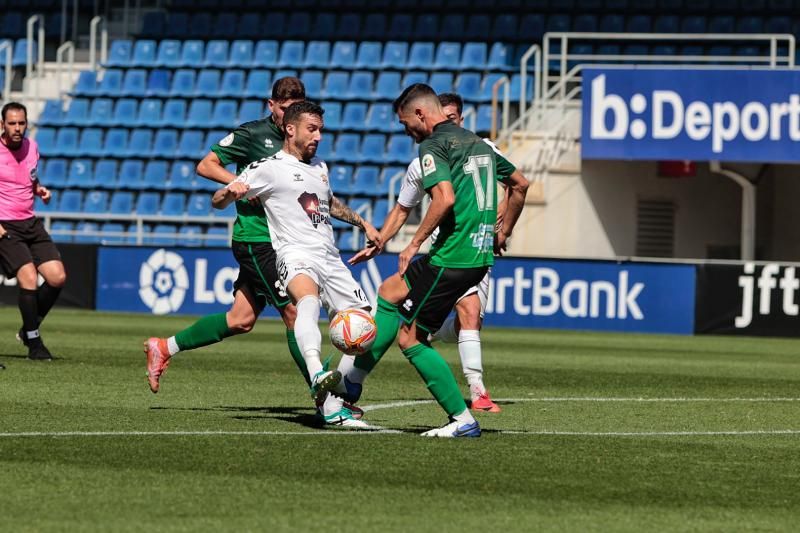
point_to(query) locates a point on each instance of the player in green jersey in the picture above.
(459, 172)
(258, 284)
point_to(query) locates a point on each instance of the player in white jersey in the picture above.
(464, 327)
(294, 189)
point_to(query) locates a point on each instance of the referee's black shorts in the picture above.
(26, 241)
(258, 274)
(434, 291)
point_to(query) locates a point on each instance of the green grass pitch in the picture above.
(599, 432)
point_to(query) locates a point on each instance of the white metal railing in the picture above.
(365, 212)
(98, 21)
(6, 47)
(470, 117)
(506, 84)
(534, 51)
(69, 49)
(32, 21)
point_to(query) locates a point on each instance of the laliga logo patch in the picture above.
(163, 282)
(428, 165)
(227, 141)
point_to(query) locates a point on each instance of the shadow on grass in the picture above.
(295, 415)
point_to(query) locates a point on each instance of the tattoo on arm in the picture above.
(341, 212)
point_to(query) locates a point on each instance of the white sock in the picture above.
(306, 330)
(469, 349)
(332, 405)
(447, 333)
(32, 334)
(465, 417)
(172, 346)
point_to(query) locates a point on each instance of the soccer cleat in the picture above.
(22, 337)
(484, 403)
(323, 382)
(37, 351)
(344, 418)
(354, 409)
(453, 429)
(158, 359)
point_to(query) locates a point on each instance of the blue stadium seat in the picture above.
(216, 54)
(486, 87)
(344, 55)
(144, 54)
(149, 113)
(153, 24)
(40, 207)
(177, 25)
(373, 146)
(750, 24)
(259, 84)
(369, 55)
(218, 236)
(112, 227)
(441, 82)
(413, 77)
(182, 175)
(558, 22)
(426, 27)
(636, 49)
(266, 54)
(389, 172)
(221, 28)
(116, 143)
(500, 58)
(325, 148)
(191, 144)
(105, 174)
(80, 174)
(124, 113)
(374, 27)
(183, 82)
(54, 173)
(77, 113)
(91, 143)
(468, 85)
(134, 83)
(336, 83)
(148, 203)
(380, 209)
(158, 82)
(313, 80)
(639, 24)
(452, 27)
(165, 143)
(349, 24)
(483, 119)
(207, 83)
(354, 116)
(395, 55)
(199, 113)
(119, 54)
(504, 27)
(694, 24)
(140, 142)
(778, 24)
(254, 109)
(531, 27)
(448, 56)
(86, 84)
(228, 212)
(365, 181)
(46, 139)
(101, 112)
(20, 56)
(613, 23)
(51, 115)
(200, 25)
(59, 229)
(190, 235)
(478, 27)
(666, 24)
(317, 54)
(291, 54)
(400, 149)
(192, 54)
(381, 118)
(121, 203)
(721, 24)
(387, 86)
(86, 233)
(199, 205)
(155, 175)
(347, 148)
(474, 56)
(111, 84)
(174, 204)
(401, 26)
(70, 202)
(421, 56)
(174, 114)
(250, 26)
(169, 53)
(360, 85)
(241, 54)
(346, 241)
(298, 26)
(664, 50)
(341, 179)
(224, 114)
(96, 202)
(133, 233)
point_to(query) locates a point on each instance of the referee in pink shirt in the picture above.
(26, 249)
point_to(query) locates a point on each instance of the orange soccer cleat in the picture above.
(484, 403)
(157, 360)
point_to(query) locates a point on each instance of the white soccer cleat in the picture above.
(324, 382)
(336, 414)
(454, 429)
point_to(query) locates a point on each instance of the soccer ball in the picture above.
(353, 331)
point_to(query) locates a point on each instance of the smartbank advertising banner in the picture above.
(523, 292)
(701, 115)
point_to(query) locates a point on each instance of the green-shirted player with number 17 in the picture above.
(258, 281)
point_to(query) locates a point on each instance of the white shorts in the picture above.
(482, 290)
(337, 288)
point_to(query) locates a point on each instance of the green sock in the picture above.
(208, 330)
(388, 322)
(438, 377)
(294, 349)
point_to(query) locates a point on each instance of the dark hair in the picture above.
(297, 109)
(288, 88)
(412, 92)
(452, 99)
(14, 106)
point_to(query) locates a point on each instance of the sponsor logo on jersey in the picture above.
(298, 177)
(428, 164)
(34, 174)
(227, 141)
(324, 178)
(268, 142)
(316, 210)
(408, 304)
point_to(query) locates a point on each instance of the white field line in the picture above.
(334, 432)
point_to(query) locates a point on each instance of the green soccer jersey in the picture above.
(466, 234)
(250, 142)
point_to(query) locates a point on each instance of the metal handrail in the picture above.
(7, 47)
(536, 52)
(392, 182)
(470, 117)
(96, 21)
(69, 48)
(40, 52)
(504, 81)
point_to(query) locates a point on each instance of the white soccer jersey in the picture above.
(296, 197)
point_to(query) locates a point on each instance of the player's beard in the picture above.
(309, 151)
(13, 141)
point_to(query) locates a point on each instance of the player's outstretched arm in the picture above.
(516, 190)
(442, 200)
(394, 221)
(229, 194)
(340, 211)
(210, 167)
